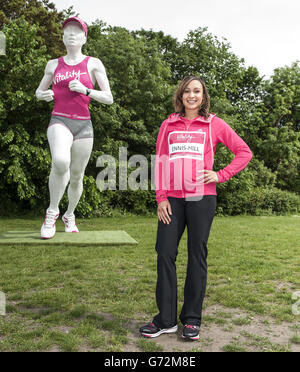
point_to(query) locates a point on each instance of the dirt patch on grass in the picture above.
(223, 329)
(226, 329)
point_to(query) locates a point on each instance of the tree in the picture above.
(41, 13)
(138, 79)
(24, 158)
(282, 98)
(279, 132)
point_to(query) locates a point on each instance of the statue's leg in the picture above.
(60, 140)
(80, 155)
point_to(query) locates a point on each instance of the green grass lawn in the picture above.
(70, 298)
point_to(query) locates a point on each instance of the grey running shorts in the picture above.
(79, 128)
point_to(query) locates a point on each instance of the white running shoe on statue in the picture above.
(70, 225)
(48, 228)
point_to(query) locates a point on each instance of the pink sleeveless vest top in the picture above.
(70, 104)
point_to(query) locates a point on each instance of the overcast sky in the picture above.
(266, 33)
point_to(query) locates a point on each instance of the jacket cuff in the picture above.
(161, 198)
(220, 177)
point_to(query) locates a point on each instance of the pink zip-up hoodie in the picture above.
(186, 146)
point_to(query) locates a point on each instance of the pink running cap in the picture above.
(78, 20)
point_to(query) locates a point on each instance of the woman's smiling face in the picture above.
(192, 96)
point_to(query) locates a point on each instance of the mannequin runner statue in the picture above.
(70, 131)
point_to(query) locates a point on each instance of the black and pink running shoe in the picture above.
(191, 332)
(150, 330)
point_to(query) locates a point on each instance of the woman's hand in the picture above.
(164, 211)
(207, 176)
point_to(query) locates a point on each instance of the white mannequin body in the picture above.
(70, 157)
(74, 38)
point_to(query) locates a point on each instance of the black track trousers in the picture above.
(198, 217)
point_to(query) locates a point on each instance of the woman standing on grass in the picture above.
(186, 196)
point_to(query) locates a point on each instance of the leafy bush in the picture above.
(259, 201)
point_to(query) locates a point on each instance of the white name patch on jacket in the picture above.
(188, 145)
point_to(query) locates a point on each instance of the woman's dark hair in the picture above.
(177, 99)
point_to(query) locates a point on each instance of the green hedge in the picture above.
(259, 201)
